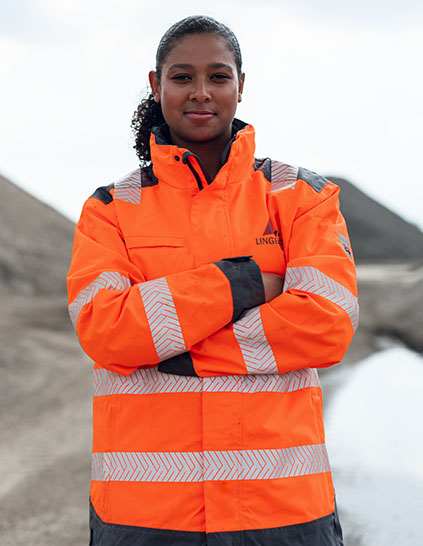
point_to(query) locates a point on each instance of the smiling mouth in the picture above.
(199, 114)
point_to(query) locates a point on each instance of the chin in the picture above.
(203, 135)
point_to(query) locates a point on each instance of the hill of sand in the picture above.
(35, 244)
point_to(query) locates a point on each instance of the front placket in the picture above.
(221, 412)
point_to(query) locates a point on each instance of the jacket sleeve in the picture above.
(124, 321)
(312, 322)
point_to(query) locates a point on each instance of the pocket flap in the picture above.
(139, 241)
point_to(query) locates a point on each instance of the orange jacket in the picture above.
(207, 404)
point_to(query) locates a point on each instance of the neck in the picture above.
(210, 157)
(209, 152)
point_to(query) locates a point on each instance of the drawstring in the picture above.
(186, 161)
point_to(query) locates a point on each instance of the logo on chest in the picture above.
(269, 237)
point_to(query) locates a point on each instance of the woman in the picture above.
(207, 405)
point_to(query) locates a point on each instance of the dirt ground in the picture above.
(45, 408)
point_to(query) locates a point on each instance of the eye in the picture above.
(181, 77)
(220, 77)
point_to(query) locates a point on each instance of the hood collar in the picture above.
(169, 166)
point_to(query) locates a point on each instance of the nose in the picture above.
(200, 90)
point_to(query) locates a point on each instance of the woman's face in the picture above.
(199, 89)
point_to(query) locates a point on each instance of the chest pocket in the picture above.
(158, 255)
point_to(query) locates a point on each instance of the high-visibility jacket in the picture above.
(207, 405)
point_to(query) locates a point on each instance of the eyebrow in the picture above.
(211, 65)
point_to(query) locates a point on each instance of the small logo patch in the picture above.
(269, 229)
(345, 244)
(270, 237)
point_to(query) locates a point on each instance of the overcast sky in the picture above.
(332, 86)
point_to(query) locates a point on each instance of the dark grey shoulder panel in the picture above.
(316, 181)
(264, 165)
(103, 194)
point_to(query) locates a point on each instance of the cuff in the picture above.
(178, 365)
(246, 283)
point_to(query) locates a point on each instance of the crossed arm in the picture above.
(219, 319)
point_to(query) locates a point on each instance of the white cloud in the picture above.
(360, 14)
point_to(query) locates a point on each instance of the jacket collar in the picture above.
(179, 167)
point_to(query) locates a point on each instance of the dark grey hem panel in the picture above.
(316, 181)
(103, 194)
(110, 534)
(178, 365)
(325, 531)
(246, 282)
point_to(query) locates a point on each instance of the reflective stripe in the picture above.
(197, 466)
(283, 176)
(162, 318)
(257, 353)
(105, 281)
(313, 281)
(286, 382)
(128, 188)
(151, 381)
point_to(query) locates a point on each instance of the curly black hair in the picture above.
(149, 112)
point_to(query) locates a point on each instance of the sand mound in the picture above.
(35, 244)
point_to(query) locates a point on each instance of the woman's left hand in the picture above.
(273, 285)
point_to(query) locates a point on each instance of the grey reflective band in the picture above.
(313, 281)
(128, 188)
(256, 350)
(201, 466)
(151, 381)
(162, 318)
(283, 176)
(106, 281)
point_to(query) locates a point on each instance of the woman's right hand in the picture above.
(273, 285)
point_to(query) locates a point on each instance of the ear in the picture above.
(155, 85)
(241, 86)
